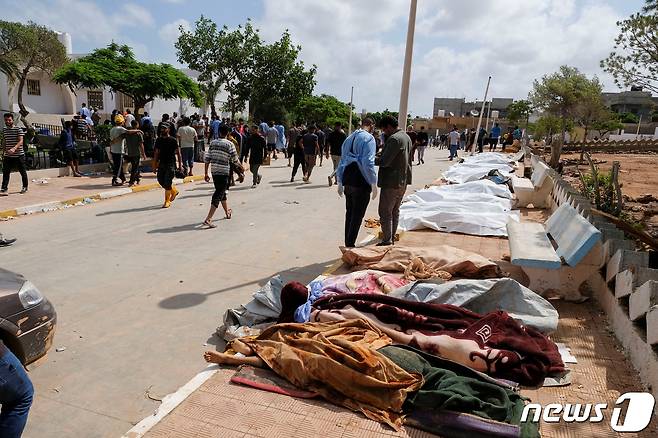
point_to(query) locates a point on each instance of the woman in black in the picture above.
(166, 151)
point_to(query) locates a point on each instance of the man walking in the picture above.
(165, 153)
(336, 138)
(394, 176)
(135, 152)
(423, 140)
(69, 152)
(220, 157)
(187, 138)
(118, 136)
(148, 130)
(14, 155)
(453, 140)
(281, 139)
(356, 178)
(293, 134)
(311, 151)
(272, 137)
(495, 136)
(321, 143)
(257, 153)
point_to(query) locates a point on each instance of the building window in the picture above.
(95, 99)
(126, 102)
(33, 87)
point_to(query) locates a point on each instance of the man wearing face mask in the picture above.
(357, 178)
(394, 176)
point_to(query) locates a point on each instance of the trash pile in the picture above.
(433, 337)
(478, 201)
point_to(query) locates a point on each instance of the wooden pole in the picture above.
(484, 102)
(406, 71)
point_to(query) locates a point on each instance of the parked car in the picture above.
(27, 318)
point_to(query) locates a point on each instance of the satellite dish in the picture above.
(475, 113)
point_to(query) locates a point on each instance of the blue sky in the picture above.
(361, 43)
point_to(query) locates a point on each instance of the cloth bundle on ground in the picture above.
(493, 343)
(366, 282)
(458, 400)
(339, 361)
(478, 214)
(457, 262)
(439, 193)
(249, 319)
(484, 296)
(477, 167)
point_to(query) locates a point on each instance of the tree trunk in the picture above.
(582, 146)
(22, 110)
(556, 147)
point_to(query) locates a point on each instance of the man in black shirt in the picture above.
(422, 139)
(311, 151)
(336, 138)
(257, 148)
(166, 151)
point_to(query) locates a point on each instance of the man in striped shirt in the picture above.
(14, 156)
(220, 156)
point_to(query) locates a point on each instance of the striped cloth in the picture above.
(11, 137)
(221, 153)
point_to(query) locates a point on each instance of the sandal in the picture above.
(229, 213)
(209, 224)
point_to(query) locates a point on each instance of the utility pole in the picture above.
(637, 134)
(406, 72)
(477, 131)
(486, 126)
(351, 105)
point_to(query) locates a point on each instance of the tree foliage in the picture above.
(116, 67)
(607, 123)
(561, 95)
(270, 76)
(634, 60)
(519, 111)
(324, 109)
(25, 49)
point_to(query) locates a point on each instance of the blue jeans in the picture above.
(187, 154)
(453, 150)
(16, 394)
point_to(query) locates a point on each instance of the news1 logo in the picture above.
(639, 411)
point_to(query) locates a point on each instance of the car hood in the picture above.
(10, 282)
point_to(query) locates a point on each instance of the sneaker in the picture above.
(384, 244)
(253, 186)
(331, 180)
(6, 242)
(3, 192)
(260, 177)
(292, 179)
(23, 190)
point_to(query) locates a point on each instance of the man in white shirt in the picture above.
(453, 136)
(129, 118)
(85, 112)
(187, 138)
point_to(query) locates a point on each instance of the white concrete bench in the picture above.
(563, 263)
(536, 190)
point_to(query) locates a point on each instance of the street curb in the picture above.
(58, 205)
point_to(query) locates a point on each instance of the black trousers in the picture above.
(221, 186)
(117, 167)
(8, 163)
(166, 177)
(356, 204)
(299, 161)
(135, 175)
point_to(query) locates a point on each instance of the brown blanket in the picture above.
(457, 262)
(339, 362)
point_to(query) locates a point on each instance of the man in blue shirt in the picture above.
(495, 135)
(357, 178)
(214, 127)
(67, 145)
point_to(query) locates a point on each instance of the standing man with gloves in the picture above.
(357, 178)
(394, 176)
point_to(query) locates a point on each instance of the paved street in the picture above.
(140, 290)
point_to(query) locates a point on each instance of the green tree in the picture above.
(116, 67)
(279, 80)
(607, 123)
(323, 109)
(634, 60)
(559, 95)
(25, 49)
(223, 59)
(519, 111)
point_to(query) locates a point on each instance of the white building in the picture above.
(49, 102)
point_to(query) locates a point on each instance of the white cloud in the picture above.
(458, 44)
(171, 31)
(84, 20)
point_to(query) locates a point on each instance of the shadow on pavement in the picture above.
(178, 229)
(303, 274)
(131, 210)
(315, 186)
